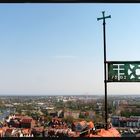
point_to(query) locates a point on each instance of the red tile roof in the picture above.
(5, 128)
(9, 130)
(112, 132)
(26, 120)
(1, 130)
(25, 131)
(105, 133)
(39, 129)
(90, 124)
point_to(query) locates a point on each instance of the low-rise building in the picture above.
(133, 121)
(74, 114)
(27, 123)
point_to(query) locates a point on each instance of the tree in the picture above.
(69, 119)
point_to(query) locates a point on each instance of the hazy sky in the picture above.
(58, 48)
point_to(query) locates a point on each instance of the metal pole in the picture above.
(105, 82)
(105, 79)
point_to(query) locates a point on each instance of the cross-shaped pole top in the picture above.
(104, 17)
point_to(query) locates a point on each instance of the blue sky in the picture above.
(58, 48)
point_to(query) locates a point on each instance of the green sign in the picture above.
(128, 71)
